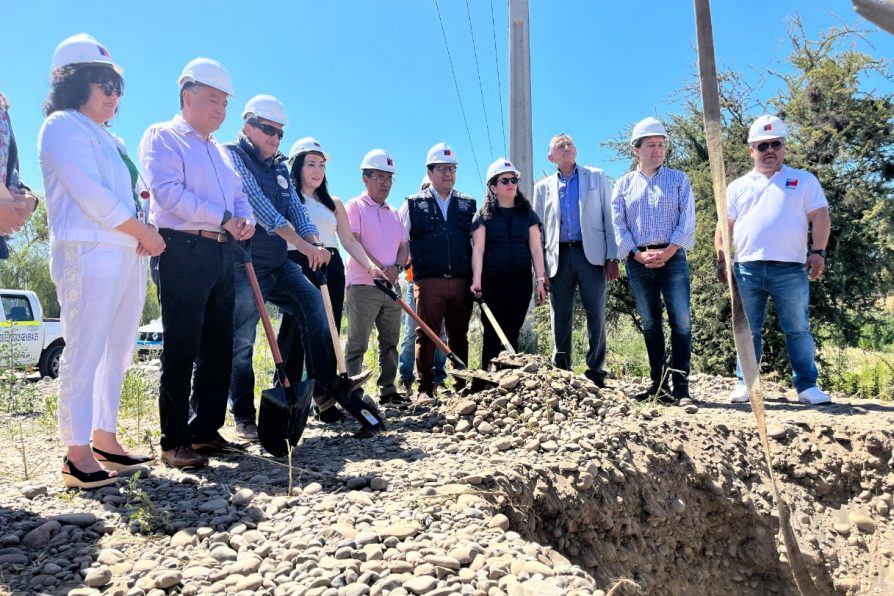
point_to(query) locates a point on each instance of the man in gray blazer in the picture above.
(574, 206)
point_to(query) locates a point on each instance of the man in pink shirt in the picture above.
(378, 228)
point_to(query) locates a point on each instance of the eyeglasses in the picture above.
(382, 178)
(109, 88)
(774, 144)
(266, 128)
(445, 169)
(508, 181)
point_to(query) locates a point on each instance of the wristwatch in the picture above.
(818, 251)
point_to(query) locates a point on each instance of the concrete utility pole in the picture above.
(521, 140)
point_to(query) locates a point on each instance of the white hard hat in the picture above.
(501, 166)
(440, 153)
(647, 127)
(378, 159)
(207, 72)
(306, 145)
(767, 127)
(267, 107)
(82, 49)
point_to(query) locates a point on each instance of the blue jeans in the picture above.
(787, 285)
(408, 346)
(286, 287)
(575, 270)
(649, 287)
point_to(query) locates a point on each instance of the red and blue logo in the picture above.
(103, 51)
(448, 152)
(768, 127)
(390, 161)
(791, 183)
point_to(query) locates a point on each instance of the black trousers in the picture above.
(289, 337)
(508, 298)
(196, 294)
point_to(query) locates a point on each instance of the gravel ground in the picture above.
(540, 484)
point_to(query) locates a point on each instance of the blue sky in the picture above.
(360, 75)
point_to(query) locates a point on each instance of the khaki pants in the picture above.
(365, 306)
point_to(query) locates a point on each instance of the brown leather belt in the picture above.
(219, 236)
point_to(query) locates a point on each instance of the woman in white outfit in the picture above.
(98, 244)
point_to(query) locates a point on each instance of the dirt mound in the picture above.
(539, 483)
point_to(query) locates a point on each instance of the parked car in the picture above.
(27, 339)
(150, 338)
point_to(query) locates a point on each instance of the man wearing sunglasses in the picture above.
(574, 205)
(281, 218)
(438, 221)
(770, 211)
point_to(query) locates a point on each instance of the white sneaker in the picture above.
(814, 396)
(739, 395)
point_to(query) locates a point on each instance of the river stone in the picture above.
(82, 519)
(40, 536)
(167, 579)
(97, 577)
(185, 537)
(420, 584)
(242, 497)
(213, 505)
(250, 583)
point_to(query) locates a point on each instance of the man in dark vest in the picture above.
(438, 222)
(281, 217)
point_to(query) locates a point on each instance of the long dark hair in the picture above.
(70, 85)
(491, 203)
(322, 193)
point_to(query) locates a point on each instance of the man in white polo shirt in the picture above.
(770, 210)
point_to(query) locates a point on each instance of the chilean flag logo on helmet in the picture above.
(507, 164)
(768, 127)
(103, 51)
(390, 161)
(448, 152)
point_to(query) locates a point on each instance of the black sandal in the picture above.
(120, 463)
(75, 478)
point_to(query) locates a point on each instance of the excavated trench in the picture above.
(683, 505)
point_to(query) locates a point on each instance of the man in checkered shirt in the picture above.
(654, 216)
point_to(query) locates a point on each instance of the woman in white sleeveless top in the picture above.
(308, 171)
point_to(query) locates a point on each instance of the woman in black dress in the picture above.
(505, 243)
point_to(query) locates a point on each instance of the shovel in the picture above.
(284, 409)
(493, 321)
(358, 405)
(386, 287)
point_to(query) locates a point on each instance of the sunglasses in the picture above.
(774, 144)
(109, 88)
(508, 181)
(445, 169)
(267, 129)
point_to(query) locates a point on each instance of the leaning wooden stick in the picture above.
(742, 333)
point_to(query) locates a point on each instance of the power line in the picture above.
(480, 86)
(458, 95)
(493, 29)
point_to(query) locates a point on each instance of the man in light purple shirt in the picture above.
(197, 200)
(379, 230)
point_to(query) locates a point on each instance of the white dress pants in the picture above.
(101, 289)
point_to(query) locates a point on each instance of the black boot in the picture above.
(655, 391)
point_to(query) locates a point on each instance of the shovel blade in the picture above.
(364, 410)
(283, 417)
